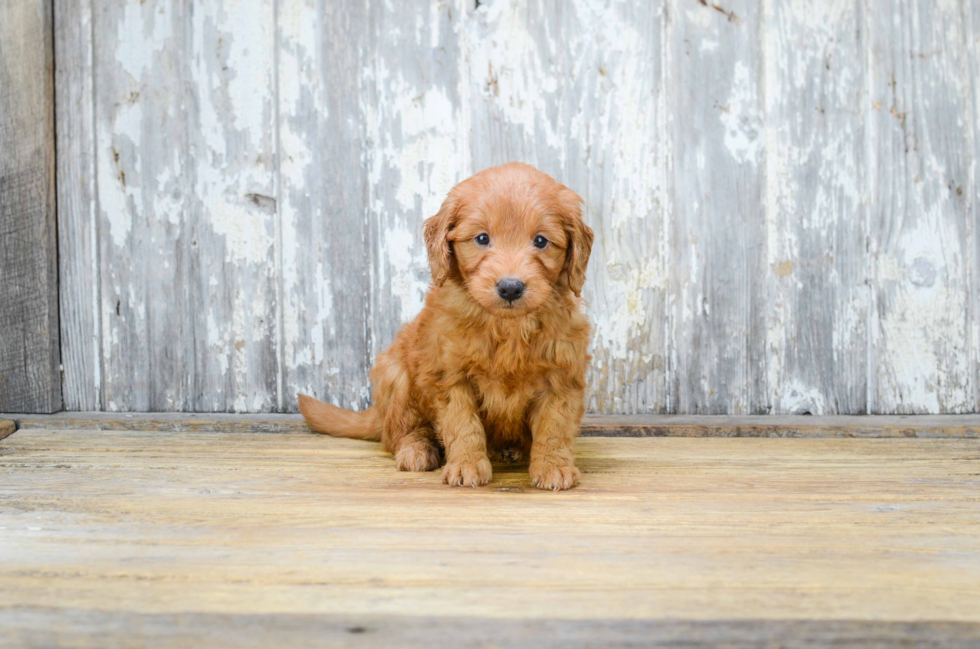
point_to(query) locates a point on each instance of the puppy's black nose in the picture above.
(510, 289)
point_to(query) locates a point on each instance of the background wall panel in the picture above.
(30, 377)
(816, 94)
(783, 193)
(78, 234)
(921, 232)
(718, 274)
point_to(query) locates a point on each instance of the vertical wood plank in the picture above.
(718, 278)
(972, 15)
(78, 234)
(816, 101)
(233, 216)
(920, 238)
(416, 146)
(576, 89)
(30, 378)
(187, 199)
(144, 184)
(326, 252)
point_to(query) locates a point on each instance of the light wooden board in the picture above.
(95, 628)
(78, 224)
(922, 232)
(185, 153)
(326, 264)
(718, 276)
(873, 427)
(973, 226)
(577, 90)
(816, 220)
(779, 227)
(117, 528)
(30, 379)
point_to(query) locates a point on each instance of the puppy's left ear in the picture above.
(580, 239)
(436, 230)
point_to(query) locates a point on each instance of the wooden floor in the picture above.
(149, 538)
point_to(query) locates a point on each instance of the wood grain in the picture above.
(30, 379)
(718, 278)
(972, 18)
(78, 223)
(186, 155)
(873, 427)
(577, 91)
(815, 205)
(145, 181)
(325, 257)
(780, 228)
(114, 528)
(921, 236)
(91, 628)
(7, 428)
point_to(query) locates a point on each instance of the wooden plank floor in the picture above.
(143, 538)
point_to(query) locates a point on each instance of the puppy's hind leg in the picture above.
(417, 452)
(508, 454)
(404, 433)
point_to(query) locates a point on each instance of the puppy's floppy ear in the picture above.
(580, 239)
(436, 232)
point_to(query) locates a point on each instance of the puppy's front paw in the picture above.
(469, 472)
(553, 474)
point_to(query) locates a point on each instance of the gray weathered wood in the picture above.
(325, 259)
(790, 426)
(576, 89)
(718, 276)
(815, 205)
(30, 378)
(415, 146)
(78, 225)
(973, 225)
(82, 628)
(920, 235)
(141, 117)
(779, 227)
(233, 297)
(185, 115)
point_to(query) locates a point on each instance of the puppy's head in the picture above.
(510, 236)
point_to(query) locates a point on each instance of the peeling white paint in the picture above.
(591, 99)
(741, 117)
(151, 26)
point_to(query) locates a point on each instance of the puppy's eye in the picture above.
(482, 240)
(540, 242)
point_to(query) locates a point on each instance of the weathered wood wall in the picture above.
(784, 193)
(30, 377)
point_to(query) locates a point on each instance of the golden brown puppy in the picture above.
(494, 365)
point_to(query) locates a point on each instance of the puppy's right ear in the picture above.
(436, 231)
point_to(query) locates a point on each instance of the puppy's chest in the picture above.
(506, 390)
(504, 401)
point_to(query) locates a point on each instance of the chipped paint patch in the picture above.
(741, 117)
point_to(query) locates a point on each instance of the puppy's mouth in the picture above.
(512, 309)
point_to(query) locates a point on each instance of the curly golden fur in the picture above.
(479, 373)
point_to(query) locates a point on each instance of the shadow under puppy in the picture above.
(494, 365)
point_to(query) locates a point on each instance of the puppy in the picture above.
(494, 365)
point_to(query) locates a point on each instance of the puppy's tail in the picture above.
(329, 419)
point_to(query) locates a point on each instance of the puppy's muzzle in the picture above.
(510, 289)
